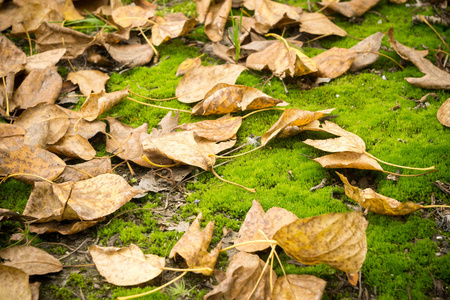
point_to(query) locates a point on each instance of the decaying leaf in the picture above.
(12, 59)
(443, 114)
(225, 98)
(378, 203)
(74, 146)
(334, 62)
(434, 78)
(6, 214)
(222, 129)
(126, 266)
(44, 60)
(348, 160)
(63, 228)
(188, 64)
(338, 239)
(98, 103)
(240, 278)
(31, 260)
(85, 170)
(30, 160)
(193, 247)
(58, 120)
(216, 19)
(350, 9)
(292, 287)
(198, 81)
(269, 223)
(319, 24)
(366, 51)
(14, 284)
(132, 16)
(89, 81)
(282, 59)
(292, 117)
(170, 27)
(131, 55)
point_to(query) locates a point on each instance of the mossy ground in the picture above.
(401, 259)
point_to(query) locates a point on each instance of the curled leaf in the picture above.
(170, 27)
(98, 103)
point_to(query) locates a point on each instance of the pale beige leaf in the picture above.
(366, 51)
(44, 60)
(98, 103)
(85, 170)
(14, 284)
(131, 55)
(348, 160)
(89, 81)
(12, 59)
(294, 287)
(132, 16)
(218, 130)
(350, 9)
(31, 260)
(319, 24)
(334, 62)
(170, 27)
(216, 19)
(74, 146)
(443, 114)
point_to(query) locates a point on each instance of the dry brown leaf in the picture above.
(8, 14)
(348, 160)
(337, 239)
(198, 81)
(224, 98)
(318, 24)
(89, 81)
(365, 51)
(170, 27)
(65, 229)
(434, 78)
(40, 86)
(183, 146)
(52, 36)
(66, 8)
(29, 16)
(10, 130)
(57, 119)
(240, 278)
(269, 223)
(35, 290)
(129, 140)
(334, 62)
(292, 117)
(30, 160)
(350, 9)
(131, 55)
(222, 129)
(443, 114)
(216, 19)
(187, 64)
(378, 203)
(12, 59)
(31, 260)
(126, 266)
(202, 7)
(293, 287)
(74, 146)
(132, 16)
(282, 59)
(84, 128)
(14, 284)
(98, 103)
(80, 171)
(193, 247)
(44, 60)
(6, 214)
(98, 59)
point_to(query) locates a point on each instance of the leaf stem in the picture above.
(262, 273)
(384, 55)
(394, 165)
(260, 110)
(156, 165)
(233, 183)
(414, 175)
(187, 270)
(25, 174)
(149, 43)
(156, 106)
(6, 96)
(432, 206)
(152, 291)
(237, 155)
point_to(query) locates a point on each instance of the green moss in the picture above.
(121, 292)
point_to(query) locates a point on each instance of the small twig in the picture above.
(377, 13)
(81, 245)
(321, 185)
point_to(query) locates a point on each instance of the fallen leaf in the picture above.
(241, 277)
(132, 16)
(12, 59)
(292, 117)
(44, 60)
(305, 287)
(202, 7)
(216, 19)
(282, 59)
(98, 59)
(30, 160)
(53, 36)
(378, 203)
(29, 16)
(57, 119)
(348, 160)
(74, 146)
(126, 266)
(89, 81)
(434, 78)
(6, 214)
(269, 223)
(84, 128)
(31, 260)
(66, 8)
(131, 55)
(35, 290)
(337, 239)
(80, 171)
(65, 229)
(14, 284)
(170, 27)
(98, 103)
(319, 24)
(40, 86)
(366, 51)
(193, 247)
(10, 130)
(334, 62)
(222, 129)
(188, 64)
(350, 9)
(225, 98)
(443, 114)
(198, 81)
